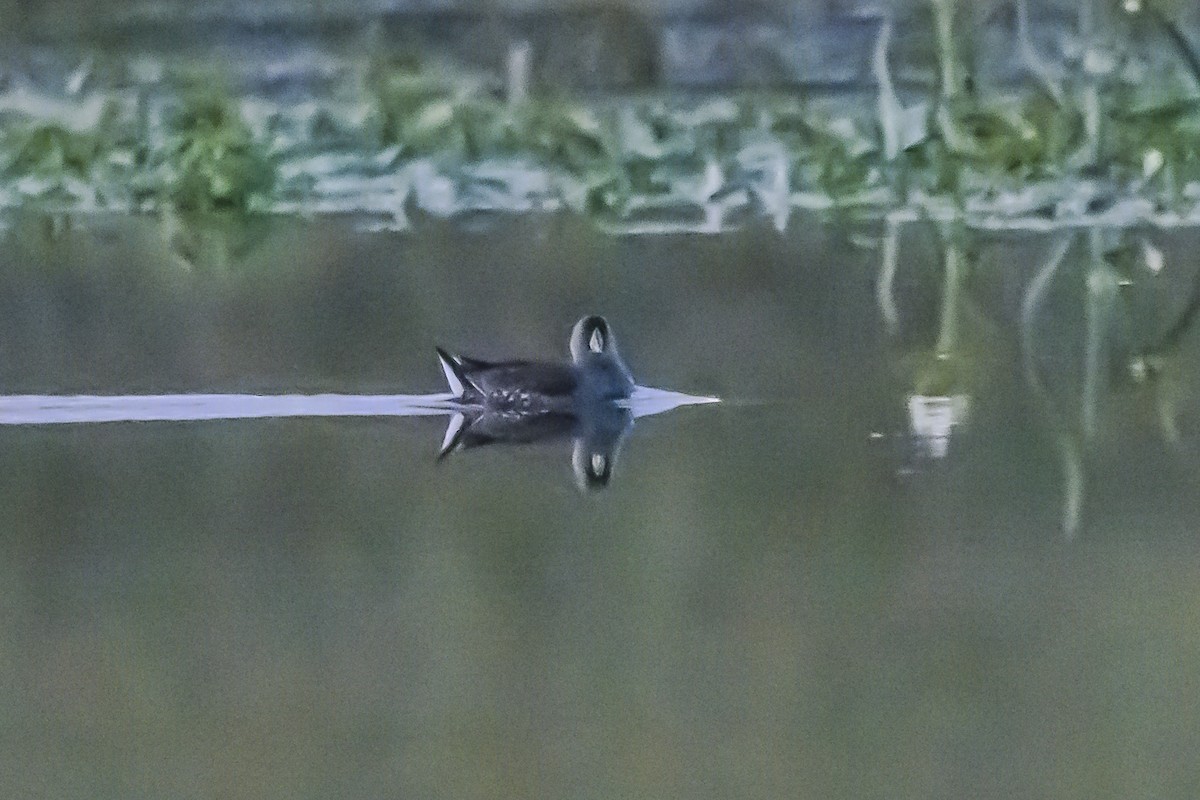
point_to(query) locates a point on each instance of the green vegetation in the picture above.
(1109, 127)
(211, 160)
(202, 156)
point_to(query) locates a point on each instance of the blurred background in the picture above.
(601, 44)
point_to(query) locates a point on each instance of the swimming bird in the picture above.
(597, 374)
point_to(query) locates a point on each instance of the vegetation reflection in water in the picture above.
(1126, 346)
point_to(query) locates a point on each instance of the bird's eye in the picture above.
(596, 343)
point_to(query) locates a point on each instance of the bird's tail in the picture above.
(455, 431)
(455, 373)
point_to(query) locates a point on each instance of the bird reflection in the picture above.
(596, 433)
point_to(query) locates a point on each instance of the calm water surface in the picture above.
(835, 584)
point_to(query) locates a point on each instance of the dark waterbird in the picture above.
(520, 402)
(596, 375)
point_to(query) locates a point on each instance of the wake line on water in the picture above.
(80, 409)
(61, 409)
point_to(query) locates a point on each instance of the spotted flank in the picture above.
(512, 400)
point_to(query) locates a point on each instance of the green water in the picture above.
(785, 595)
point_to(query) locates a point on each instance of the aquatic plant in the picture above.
(49, 150)
(63, 160)
(833, 155)
(210, 160)
(427, 112)
(1067, 437)
(1107, 125)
